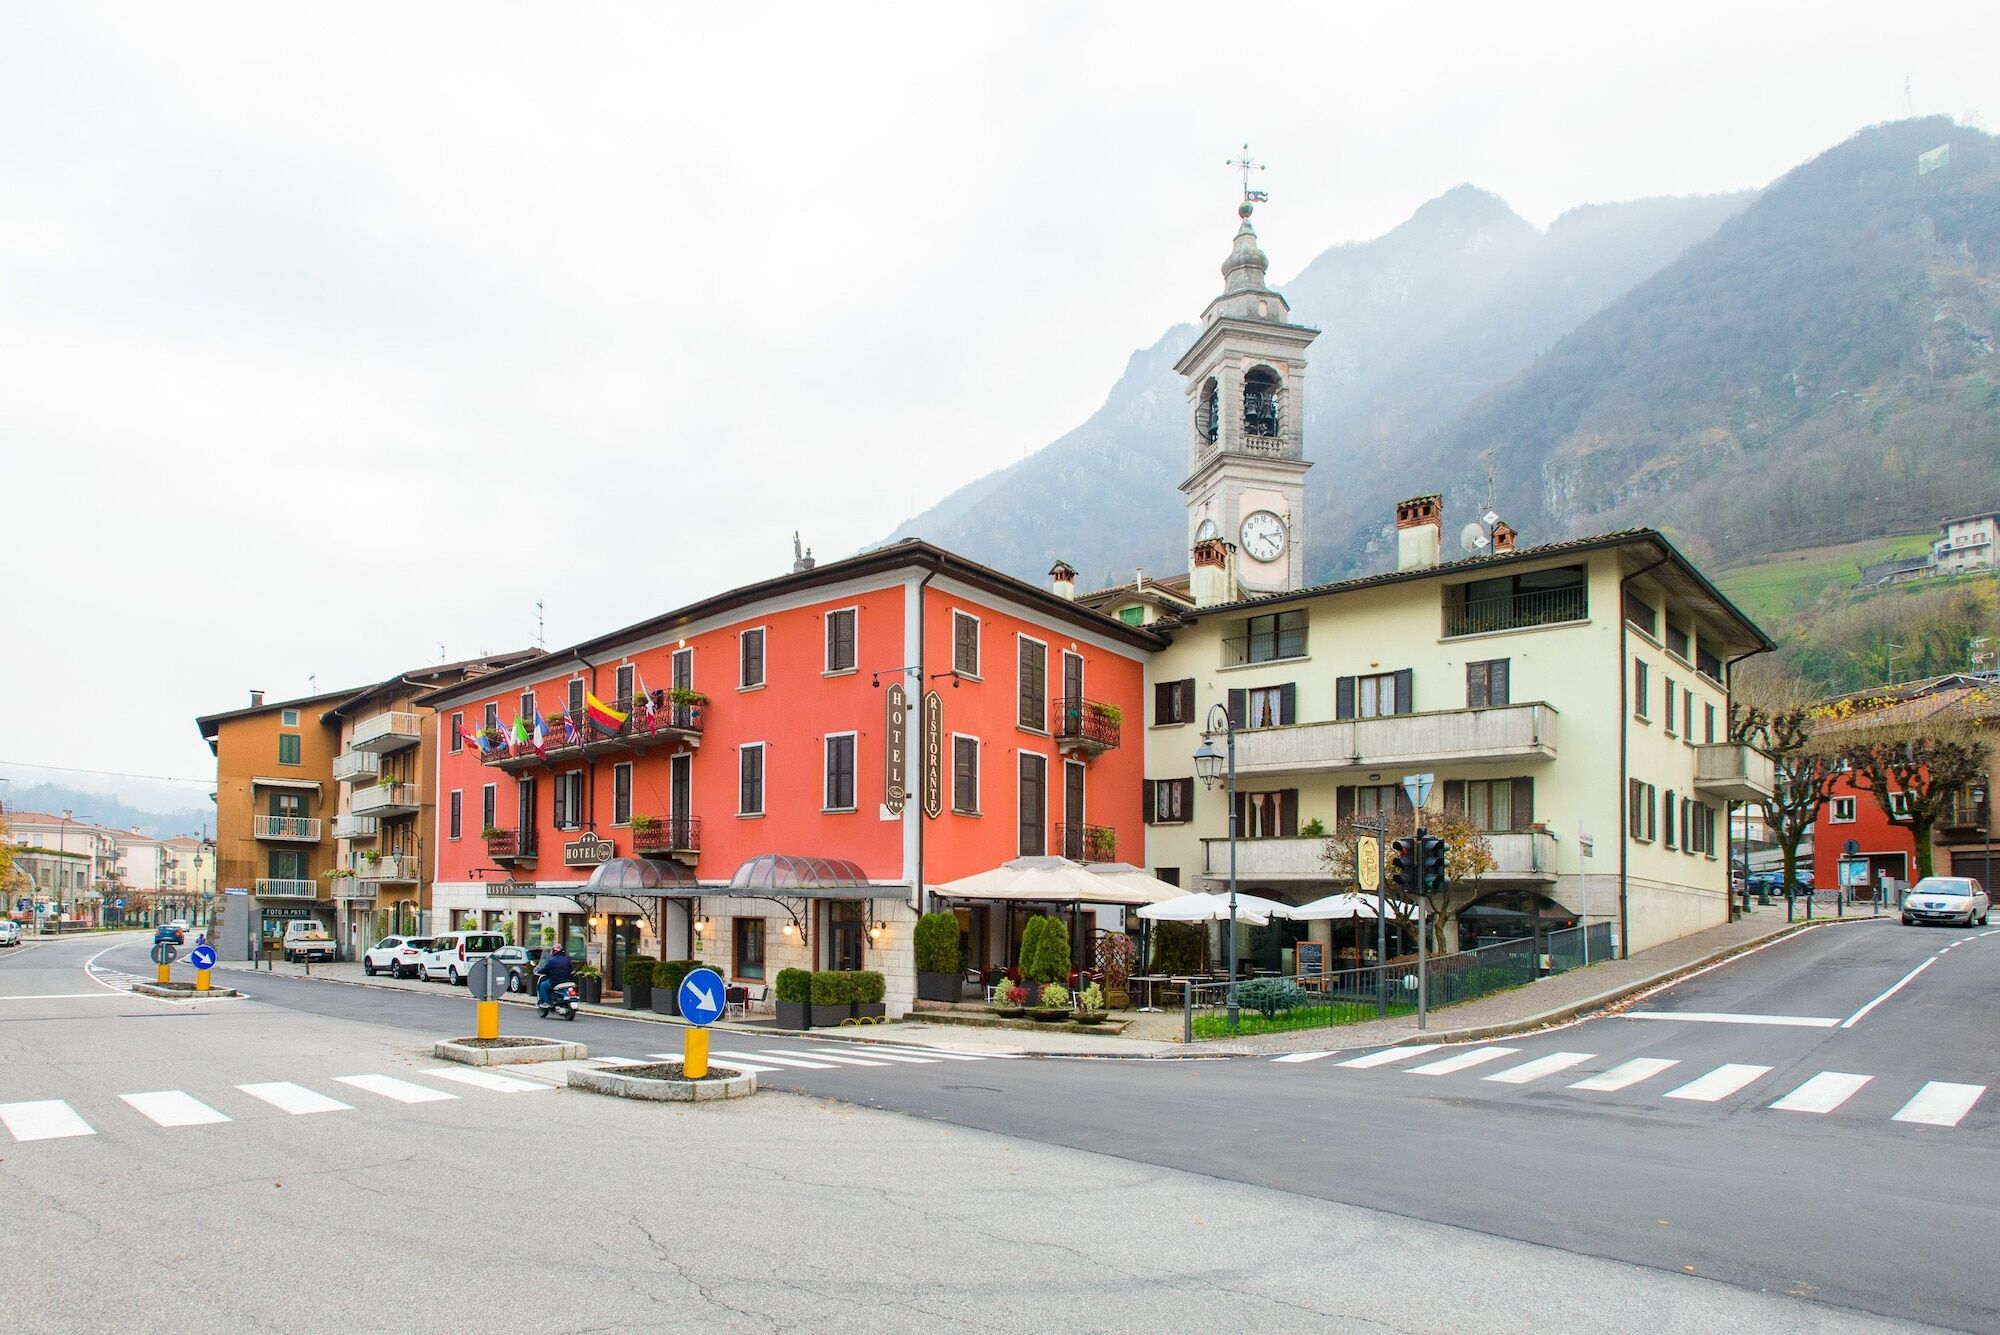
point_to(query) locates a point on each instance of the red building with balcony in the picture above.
(1852, 816)
(754, 753)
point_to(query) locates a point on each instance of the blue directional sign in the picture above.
(702, 997)
(202, 956)
(117, 903)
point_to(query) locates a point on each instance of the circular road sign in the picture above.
(702, 997)
(486, 979)
(202, 956)
(164, 952)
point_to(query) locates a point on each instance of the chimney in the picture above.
(1213, 578)
(1419, 532)
(256, 699)
(1062, 580)
(1503, 537)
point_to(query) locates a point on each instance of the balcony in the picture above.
(354, 827)
(1087, 843)
(1525, 732)
(678, 837)
(389, 867)
(1085, 725)
(271, 887)
(286, 829)
(1516, 611)
(1733, 772)
(570, 735)
(1964, 818)
(1527, 855)
(509, 847)
(386, 799)
(388, 732)
(357, 766)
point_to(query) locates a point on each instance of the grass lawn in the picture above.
(1216, 1025)
(1780, 587)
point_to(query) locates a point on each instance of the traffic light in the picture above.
(1403, 864)
(1432, 858)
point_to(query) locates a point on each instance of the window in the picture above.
(1512, 602)
(1169, 801)
(527, 707)
(1265, 639)
(1669, 840)
(1639, 689)
(750, 659)
(1272, 815)
(1173, 701)
(840, 771)
(1034, 682)
(750, 780)
(840, 640)
(1495, 806)
(1687, 825)
(487, 797)
(621, 794)
(1678, 642)
(288, 748)
(1668, 694)
(575, 695)
(1486, 683)
(1260, 402)
(1642, 814)
(965, 775)
(1840, 811)
(288, 718)
(621, 691)
(1706, 663)
(965, 644)
(1033, 800)
(1687, 715)
(569, 800)
(1708, 719)
(748, 952)
(683, 669)
(1135, 615)
(1899, 804)
(457, 733)
(490, 719)
(1640, 613)
(457, 826)
(1264, 706)
(1208, 413)
(1377, 696)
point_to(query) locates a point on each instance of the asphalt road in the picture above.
(1832, 1200)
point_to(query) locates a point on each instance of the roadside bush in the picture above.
(1054, 996)
(637, 970)
(1091, 998)
(1176, 947)
(936, 943)
(793, 985)
(870, 987)
(832, 987)
(667, 974)
(1268, 996)
(1045, 950)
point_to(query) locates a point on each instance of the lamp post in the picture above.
(1210, 765)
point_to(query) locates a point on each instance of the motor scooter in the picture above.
(562, 998)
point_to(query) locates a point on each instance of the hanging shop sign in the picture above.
(896, 749)
(933, 754)
(589, 851)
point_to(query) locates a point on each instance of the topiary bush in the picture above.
(869, 987)
(936, 943)
(667, 974)
(793, 985)
(637, 970)
(832, 988)
(1045, 950)
(1176, 947)
(1268, 996)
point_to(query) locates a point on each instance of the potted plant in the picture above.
(1090, 1005)
(589, 983)
(935, 943)
(832, 998)
(793, 990)
(1044, 951)
(636, 972)
(1051, 1004)
(1009, 999)
(370, 856)
(683, 698)
(1103, 843)
(869, 989)
(1313, 829)
(667, 975)
(642, 823)
(1116, 953)
(386, 781)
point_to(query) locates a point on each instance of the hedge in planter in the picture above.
(869, 989)
(832, 997)
(793, 990)
(589, 983)
(1045, 950)
(636, 973)
(667, 975)
(935, 943)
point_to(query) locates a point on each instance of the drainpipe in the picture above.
(1624, 767)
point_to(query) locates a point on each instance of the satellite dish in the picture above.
(1472, 537)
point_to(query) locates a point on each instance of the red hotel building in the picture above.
(757, 737)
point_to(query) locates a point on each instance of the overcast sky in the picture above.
(334, 334)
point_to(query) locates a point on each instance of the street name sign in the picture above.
(702, 997)
(164, 952)
(202, 956)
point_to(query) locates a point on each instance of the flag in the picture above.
(541, 737)
(604, 716)
(478, 738)
(570, 735)
(520, 734)
(652, 715)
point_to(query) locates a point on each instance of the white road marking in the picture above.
(819, 1050)
(1388, 1055)
(49, 1119)
(295, 1099)
(1539, 1067)
(64, 996)
(1302, 1057)
(818, 1055)
(944, 1054)
(1719, 1084)
(1940, 1103)
(1726, 1017)
(1901, 983)
(765, 1056)
(1628, 1074)
(1460, 1061)
(734, 1063)
(1823, 1093)
(402, 1091)
(172, 1107)
(499, 1084)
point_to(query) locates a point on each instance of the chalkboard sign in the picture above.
(1311, 957)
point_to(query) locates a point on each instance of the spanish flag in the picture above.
(604, 716)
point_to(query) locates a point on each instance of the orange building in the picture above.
(765, 764)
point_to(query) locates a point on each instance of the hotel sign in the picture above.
(933, 754)
(896, 750)
(589, 851)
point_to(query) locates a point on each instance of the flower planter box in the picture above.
(638, 996)
(794, 1015)
(1049, 1014)
(939, 986)
(1010, 1012)
(1091, 1017)
(871, 1010)
(829, 1017)
(666, 1000)
(591, 990)
(1117, 999)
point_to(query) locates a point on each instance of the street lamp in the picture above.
(1209, 765)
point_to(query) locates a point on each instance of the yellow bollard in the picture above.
(694, 1059)
(201, 980)
(166, 974)
(489, 1019)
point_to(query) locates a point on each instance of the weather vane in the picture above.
(1247, 164)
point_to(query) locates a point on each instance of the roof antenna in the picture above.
(541, 630)
(312, 680)
(440, 651)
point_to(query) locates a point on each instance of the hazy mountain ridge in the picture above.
(102, 809)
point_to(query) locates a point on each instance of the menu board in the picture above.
(1311, 957)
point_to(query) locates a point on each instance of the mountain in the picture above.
(1824, 368)
(98, 809)
(1415, 325)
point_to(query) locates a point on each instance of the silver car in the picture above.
(10, 932)
(1948, 899)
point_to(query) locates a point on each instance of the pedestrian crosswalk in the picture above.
(805, 1055)
(1936, 1103)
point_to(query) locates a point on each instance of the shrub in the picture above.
(1054, 996)
(1091, 998)
(831, 987)
(667, 974)
(870, 987)
(586, 971)
(1010, 993)
(1176, 947)
(1268, 996)
(794, 985)
(1045, 950)
(936, 943)
(638, 970)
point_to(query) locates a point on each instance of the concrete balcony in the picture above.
(1519, 733)
(355, 827)
(286, 829)
(1733, 772)
(357, 767)
(396, 799)
(392, 867)
(388, 732)
(271, 887)
(1529, 855)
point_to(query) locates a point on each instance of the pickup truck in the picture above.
(307, 941)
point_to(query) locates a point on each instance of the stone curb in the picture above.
(462, 1051)
(186, 993)
(739, 1086)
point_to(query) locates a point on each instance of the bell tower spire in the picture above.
(1246, 406)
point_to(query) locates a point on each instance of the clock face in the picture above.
(1206, 531)
(1264, 536)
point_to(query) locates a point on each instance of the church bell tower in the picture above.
(1246, 376)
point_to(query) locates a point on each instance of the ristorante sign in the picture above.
(933, 755)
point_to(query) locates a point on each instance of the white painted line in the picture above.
(1940, 1103)
(64, 996)
(1301, 1056)
(295, 1099)
(50, 1119)
(941, 1054)
(402, 1091)
(1389, 1055)
(1726, 1017)
(499, 1084)
(765, 1056)
(1823, 1093)
(1627, 1074)
(820, 1050)
(1719, 1084)
(819, 1054)
(172, 1107)
(619, 1061)
(1901, 983)
(1539, 1067)
(1463, 1060)
(734, 1063)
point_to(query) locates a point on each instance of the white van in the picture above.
(450, 956)
(307, 939)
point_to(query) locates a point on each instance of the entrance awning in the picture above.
(644, 877)
(798, 876)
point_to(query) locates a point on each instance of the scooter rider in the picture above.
(554, 968)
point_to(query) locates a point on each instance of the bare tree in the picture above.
(1914, 756)
(1779, 718)
(1468, 856)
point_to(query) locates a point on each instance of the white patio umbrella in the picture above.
(1340, 907)
(1253, 910)
(1051, 881)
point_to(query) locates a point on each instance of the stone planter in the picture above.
(591, 990)
(666, 1000)
(638, 996)
(1010, 1012)
(871, 1010)
(829, 1017)
(619, 1082)
(1049, 1014)
(794, 1015)
(511, 1051)
(1091, 1017)
(939, 986)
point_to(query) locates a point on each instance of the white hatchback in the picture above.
(1949, 899)
(393, 955)
(10, 932)
(450, 956)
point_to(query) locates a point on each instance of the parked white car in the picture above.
(1947, 899)
(10, 933)
(450, 956)
(393, 955)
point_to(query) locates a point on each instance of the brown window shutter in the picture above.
(1343, 698)
(1186, 712)
(1163, 695)
(1288, 702)
(1476, 685)
(1497, 683)
(1524, 803)
(1454, 795)
(1343, 805)
(1405, 682)
(1288, 812)
(1238, 707)
(1150, 791)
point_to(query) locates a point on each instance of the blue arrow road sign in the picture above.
(117, 903)
(702, 997)
(202, 956)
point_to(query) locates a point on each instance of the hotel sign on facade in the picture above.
(896, 750)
